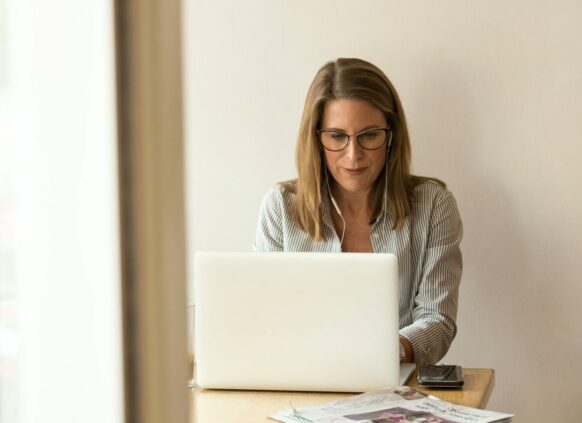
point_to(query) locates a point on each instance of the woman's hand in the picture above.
(405, 343)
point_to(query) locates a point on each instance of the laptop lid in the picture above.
(296, 321)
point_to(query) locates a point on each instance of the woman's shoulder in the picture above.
(431, 191)
(283, 189)
(287, 188)
(280, 195)
(425, 185)
(435, 207)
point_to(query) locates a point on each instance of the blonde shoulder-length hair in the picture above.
(351, 79)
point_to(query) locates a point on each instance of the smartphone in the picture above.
(440, 376)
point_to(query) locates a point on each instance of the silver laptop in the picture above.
(296, 321)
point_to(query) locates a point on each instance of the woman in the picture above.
(354, 193)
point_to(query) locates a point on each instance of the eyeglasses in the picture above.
(370, 139)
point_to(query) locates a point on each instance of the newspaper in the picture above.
(399, 404)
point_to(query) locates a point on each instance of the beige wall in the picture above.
(492, 90)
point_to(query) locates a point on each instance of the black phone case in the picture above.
(440, 376)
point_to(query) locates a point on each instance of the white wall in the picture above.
(493, 94)
(59, 205)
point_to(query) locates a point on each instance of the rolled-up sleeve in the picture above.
(436, 300)
(269, 236)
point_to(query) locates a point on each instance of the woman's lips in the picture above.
(355, 171)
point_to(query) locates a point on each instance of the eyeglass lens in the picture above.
(368, 140)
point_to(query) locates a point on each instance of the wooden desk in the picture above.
(476, 391)
(209, 406)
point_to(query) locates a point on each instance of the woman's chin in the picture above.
(354, 187)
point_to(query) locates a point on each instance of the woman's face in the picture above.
(353, 168)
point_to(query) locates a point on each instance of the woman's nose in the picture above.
(354, 150)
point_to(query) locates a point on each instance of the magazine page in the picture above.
(400, 404)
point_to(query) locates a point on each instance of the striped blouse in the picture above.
(429, 259)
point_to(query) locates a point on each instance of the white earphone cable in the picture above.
(337, 209)
(386, 176)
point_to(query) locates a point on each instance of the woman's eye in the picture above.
(368, 136)
(337, 136)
